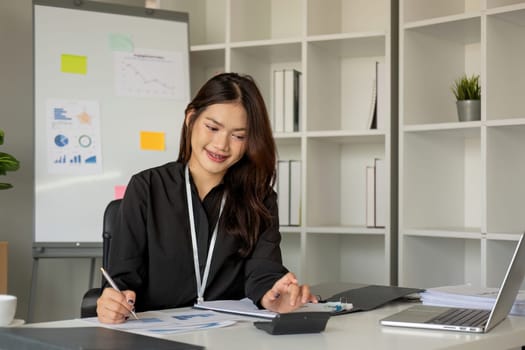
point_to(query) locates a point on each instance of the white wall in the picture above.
(16, 110)
(61, 282)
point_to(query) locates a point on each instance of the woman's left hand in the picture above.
(287, 295)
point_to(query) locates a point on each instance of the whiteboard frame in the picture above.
(75, 249)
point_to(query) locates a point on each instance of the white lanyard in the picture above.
(200, 286)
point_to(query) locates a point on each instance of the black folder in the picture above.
(25, 338)
(363, 297)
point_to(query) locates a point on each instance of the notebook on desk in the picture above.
(463, 319)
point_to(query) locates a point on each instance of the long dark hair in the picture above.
(249, 181)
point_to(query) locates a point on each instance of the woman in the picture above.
(223, 243)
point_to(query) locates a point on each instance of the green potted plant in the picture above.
(7, 163)
(468, 97)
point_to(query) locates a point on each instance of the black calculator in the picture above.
(295, 323)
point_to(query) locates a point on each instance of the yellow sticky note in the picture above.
(152, 141)
(73, 64)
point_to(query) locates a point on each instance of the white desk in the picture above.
(359, 330)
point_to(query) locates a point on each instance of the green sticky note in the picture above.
(120, 42)
(73, 64)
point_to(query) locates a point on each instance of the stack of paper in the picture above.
(466, 296)
(248, 308)
(239, 307)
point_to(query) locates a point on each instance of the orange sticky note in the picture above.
(119, 191)
(152, 141)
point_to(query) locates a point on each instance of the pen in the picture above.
(112, 283)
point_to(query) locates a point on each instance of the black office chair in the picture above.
(88, 307)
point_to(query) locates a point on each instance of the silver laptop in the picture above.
(467, 320)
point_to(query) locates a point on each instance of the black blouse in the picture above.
(151, 250)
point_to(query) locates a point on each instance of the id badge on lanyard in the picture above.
(201, 285)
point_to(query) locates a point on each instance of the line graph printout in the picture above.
(150, 73)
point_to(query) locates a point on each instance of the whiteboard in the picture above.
(111, 83)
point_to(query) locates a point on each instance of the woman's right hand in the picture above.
(114, 306)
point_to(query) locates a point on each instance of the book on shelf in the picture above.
(381, 193)
(295, 193)
(377, 116)
(372, 115)
(360, 102)
(376, 194)
(289, 192)
(381, 96)
(283, 191)
(292, 79)
(370, 196)
(286, 104)
(278, 101)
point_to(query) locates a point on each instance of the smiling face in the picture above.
(218, 140)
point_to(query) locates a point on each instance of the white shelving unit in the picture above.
(461, 186)
(328, 41)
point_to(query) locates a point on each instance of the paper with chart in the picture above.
(150, 73)
(73, 137)
(169, 322)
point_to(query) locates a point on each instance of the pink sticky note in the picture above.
(119, 191)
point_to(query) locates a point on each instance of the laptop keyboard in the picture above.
(462, 317)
